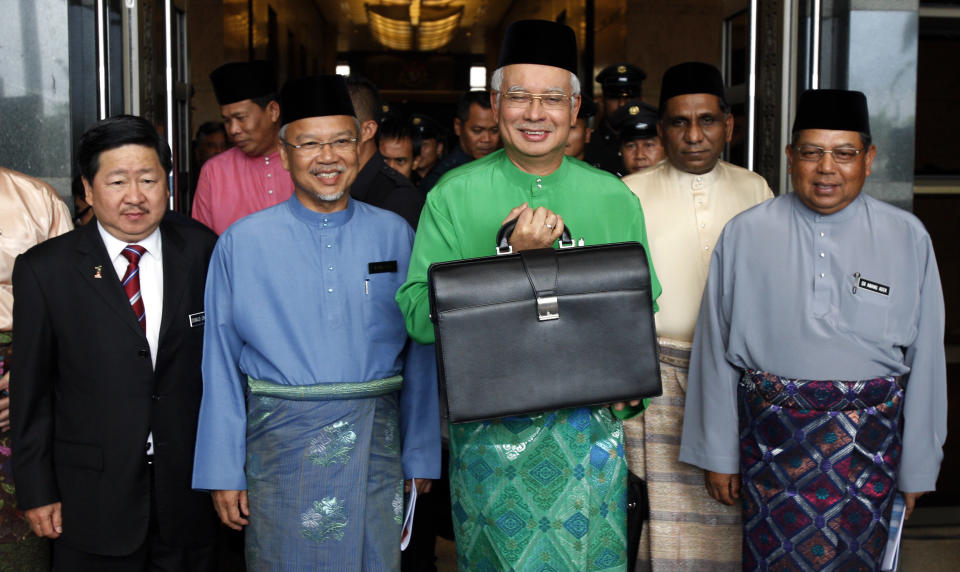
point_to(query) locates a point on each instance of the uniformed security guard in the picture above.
(582, 130)
(620, 83)
(640, 145)
(377, 184)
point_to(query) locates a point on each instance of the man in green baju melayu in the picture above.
(550, 488)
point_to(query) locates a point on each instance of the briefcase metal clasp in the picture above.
(547, 308)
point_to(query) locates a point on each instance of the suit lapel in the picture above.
(94, 265)
(175, 277)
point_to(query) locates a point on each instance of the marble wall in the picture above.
(35, 90)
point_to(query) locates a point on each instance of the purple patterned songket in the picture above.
(819, 462)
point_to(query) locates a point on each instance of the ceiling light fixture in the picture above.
(419, 24)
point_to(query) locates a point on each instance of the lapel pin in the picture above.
(98, 272)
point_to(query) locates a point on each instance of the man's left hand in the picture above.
(911, 502)
(5, 403)
(423, 485)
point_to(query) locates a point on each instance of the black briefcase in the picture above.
(545, 329)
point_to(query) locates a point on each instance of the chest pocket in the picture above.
(866, 313)
(381, 314)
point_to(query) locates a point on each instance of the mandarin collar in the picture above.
(322, 220)
(854, 208)
(689, 181)
(534, 185)
(266, 160)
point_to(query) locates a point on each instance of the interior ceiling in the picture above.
(353, 33)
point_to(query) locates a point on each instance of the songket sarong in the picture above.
(687, 529)
(539, 493)
(818, 461)
(324, 477)
(20, 549)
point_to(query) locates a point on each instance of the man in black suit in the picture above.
(377, 183)
(106, 386)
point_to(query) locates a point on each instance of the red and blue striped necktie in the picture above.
(131, 282)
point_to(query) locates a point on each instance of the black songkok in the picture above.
(315, 96)
(635, 120)
(691, 77)
(539, 42)
(237, 81)
(834, 109)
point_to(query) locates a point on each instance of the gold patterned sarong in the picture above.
(687, 529)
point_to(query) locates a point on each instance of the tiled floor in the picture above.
(928, 545)
(931, 540)
(930, 549)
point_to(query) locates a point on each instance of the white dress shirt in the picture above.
(151, 285)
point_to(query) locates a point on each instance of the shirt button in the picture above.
(329, 267)
(706, 248)
(269, 175)
(330, 290)
(822, 255)
(329, 246)
(821, 235)
(703, 225)
(324, 224)
(821, 275)
(270, 192)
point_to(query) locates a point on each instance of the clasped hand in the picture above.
(536, 228)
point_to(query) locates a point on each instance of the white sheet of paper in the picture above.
(407, 532)
(891, 555)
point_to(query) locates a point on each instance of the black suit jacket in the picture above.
(379, 185)
(84, 395)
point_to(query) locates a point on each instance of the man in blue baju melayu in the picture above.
(817, 383)
(316, 406)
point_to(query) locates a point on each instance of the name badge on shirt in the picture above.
(874, 287)
(197, 320)
(384, 266)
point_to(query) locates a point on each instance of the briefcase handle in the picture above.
(503, 236)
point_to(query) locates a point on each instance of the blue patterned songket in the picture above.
(327, 476)
(304, 353)
(819, 465)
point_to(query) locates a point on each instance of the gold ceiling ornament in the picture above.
(423, 25)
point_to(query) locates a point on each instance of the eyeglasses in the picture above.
(311, 148)
(815, 154)
(547, 100)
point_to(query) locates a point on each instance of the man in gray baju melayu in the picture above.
(817, 381)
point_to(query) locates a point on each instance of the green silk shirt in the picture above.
(464, 211)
